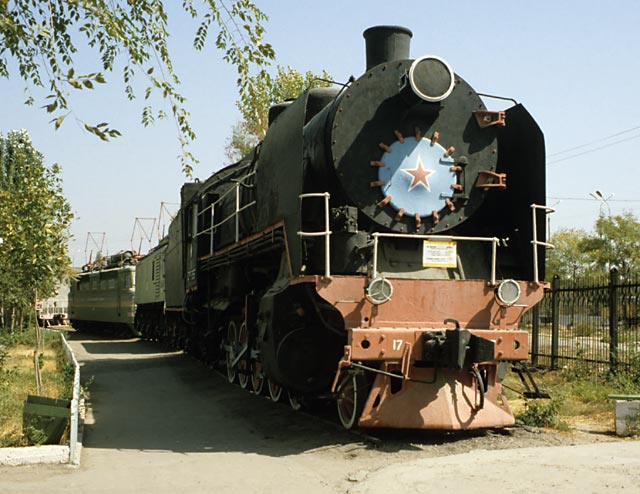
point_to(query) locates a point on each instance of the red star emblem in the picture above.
(419, 175)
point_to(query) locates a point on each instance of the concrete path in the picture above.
(163, 423)
(586, 469)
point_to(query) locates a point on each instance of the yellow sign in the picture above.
(438, 254)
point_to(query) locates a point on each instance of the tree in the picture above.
(34, 225)
(43, 38)
(262, 92)
(615, 241)
(567, 259)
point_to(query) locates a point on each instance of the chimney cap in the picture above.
(400, 29)
(386, 43)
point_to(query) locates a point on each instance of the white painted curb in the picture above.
(33, 455)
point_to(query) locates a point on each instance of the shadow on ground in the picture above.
(145, 399)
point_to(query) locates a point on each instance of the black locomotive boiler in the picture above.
(379, 248)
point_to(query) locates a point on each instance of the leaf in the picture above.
(59, 120)
(51, 107)
(124, 35)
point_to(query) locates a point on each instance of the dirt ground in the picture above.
(162, 422)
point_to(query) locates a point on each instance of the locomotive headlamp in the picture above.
(379, 291)
(508, 292)
(431, 78)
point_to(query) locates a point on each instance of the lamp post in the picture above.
(597, 195)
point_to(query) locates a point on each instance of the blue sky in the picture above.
(573, 64)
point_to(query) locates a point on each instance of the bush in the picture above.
(33, 437)
(627, 379)
(541, 413)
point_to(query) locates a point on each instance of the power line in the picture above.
(552, 162)
(590, 200)
(580, 146)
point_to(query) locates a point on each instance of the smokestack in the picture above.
(386, 43)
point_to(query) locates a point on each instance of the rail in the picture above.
(534, 209)
(326, 233)
(235, 215)
(441, 238)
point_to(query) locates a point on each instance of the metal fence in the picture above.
(594, 322)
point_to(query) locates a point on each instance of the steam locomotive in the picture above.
(377, 248)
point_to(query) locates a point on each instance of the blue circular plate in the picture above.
(417, 176)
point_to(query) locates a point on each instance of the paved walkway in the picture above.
(163, 423)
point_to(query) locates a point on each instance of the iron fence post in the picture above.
(614, 278)
(535, 335)
(555, 321)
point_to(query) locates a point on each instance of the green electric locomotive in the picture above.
(102, 297)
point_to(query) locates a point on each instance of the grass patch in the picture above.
(17, 380)
(579, 398)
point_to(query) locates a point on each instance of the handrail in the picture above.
(442, 238)
(235, 215)
(534, 209)
(74, 456)
(326, 233)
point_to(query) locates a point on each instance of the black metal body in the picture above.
(235, 254)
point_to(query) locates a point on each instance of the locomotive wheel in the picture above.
(275, 390)
(257, 379)
(243, 363)
(230, 350)
(295, 401)
(351, 399)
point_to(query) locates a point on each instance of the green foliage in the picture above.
(4, 355)
(568, 259)
(615, 241)
(33, 436)
(12, 339)
(263, 91)
(541, 413)
(43, 38)
(16, 382)
(34, 225)
(627, 379)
